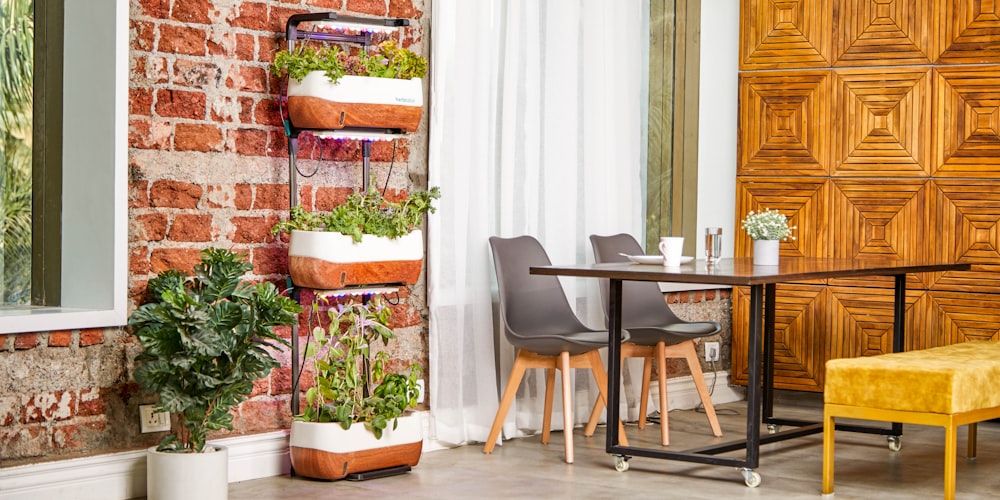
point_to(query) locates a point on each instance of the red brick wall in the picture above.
(207, 167)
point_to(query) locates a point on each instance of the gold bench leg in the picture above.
(950, 460)
(828, 430)
(972, 441)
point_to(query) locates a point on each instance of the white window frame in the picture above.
(94, 283)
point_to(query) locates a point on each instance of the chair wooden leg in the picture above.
(601, 376)
(550, 384)
(567, 405)
(516, 374)
(661, 375)
(647, 372)
(699, 382)
(595, 417)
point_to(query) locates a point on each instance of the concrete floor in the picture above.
(524, 468)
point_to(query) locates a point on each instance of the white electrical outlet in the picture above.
(153, 421)
(711, 351)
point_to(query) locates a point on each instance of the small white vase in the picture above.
(187, 476)
(765, 252)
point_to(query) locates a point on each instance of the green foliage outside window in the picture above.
(16, 75)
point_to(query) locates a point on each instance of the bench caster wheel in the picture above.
(894, 443)
(621, 463)
(751, 477)
(773, 428)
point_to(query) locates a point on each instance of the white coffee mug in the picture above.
(672, 247)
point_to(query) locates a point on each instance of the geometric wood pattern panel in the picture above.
(788, 131)
(884, 121)
(963, 316)
(891, 147)
(967, 132)
(970, 32)
(883, 32)
(861, 319)
(967, 229)
(803, 200)
(781, 32)
(801, 335)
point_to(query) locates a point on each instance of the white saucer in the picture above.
(655, 259)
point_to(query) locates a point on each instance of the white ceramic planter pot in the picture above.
(355, 101)
(187, 476)
(766, 252)
(327, 451)
(329, 261)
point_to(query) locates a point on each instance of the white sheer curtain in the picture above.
(535, 128)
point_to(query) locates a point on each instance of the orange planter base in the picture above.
(319, 464)
(316, 113)
(320, 274)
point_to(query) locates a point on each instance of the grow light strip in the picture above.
(361, 290)
(356, 27)
(355, 134)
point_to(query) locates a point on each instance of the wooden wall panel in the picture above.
(801, 334)
(881, 140)
(776, 33)
(969, 31)
(788, 131)
(966, 216)
(967, 121)
(883, 117)
(803, 200)
(885, 32)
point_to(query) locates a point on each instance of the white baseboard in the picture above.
(120, 476)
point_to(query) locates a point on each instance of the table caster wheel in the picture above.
(773, 428)
(894, 443)
(751, 477)
(621, 463)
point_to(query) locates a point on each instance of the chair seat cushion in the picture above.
(947, 380)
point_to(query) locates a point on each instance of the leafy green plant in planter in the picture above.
(387, 60)
(206, 339)
(365, 213)
(353, 383)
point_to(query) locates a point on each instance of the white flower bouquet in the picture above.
(767, 225)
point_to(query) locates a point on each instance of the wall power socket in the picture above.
(712, 351)
(153, 421)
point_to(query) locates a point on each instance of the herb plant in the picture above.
(353, 380)
(206, 339)
(387, 60)
(767, 225)
(365, 213)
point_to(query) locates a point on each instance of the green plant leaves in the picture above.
(353, 384)
(204, 340)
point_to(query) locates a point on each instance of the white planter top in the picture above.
(331, 437)
(359, 89)
(337, 247)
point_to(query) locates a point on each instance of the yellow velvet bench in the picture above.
(945, 386)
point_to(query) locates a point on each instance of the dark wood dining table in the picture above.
(762, 281)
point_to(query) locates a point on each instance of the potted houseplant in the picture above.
(353, 419)
(206, 339)
(365, 240)
(329, 88)
(767, 229)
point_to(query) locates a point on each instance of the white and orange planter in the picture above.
(355, 101)
(329, 261)
(327, 451)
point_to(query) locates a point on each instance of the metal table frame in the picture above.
(762, 281)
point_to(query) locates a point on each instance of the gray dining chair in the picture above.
(655, 333)
(538, 321)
